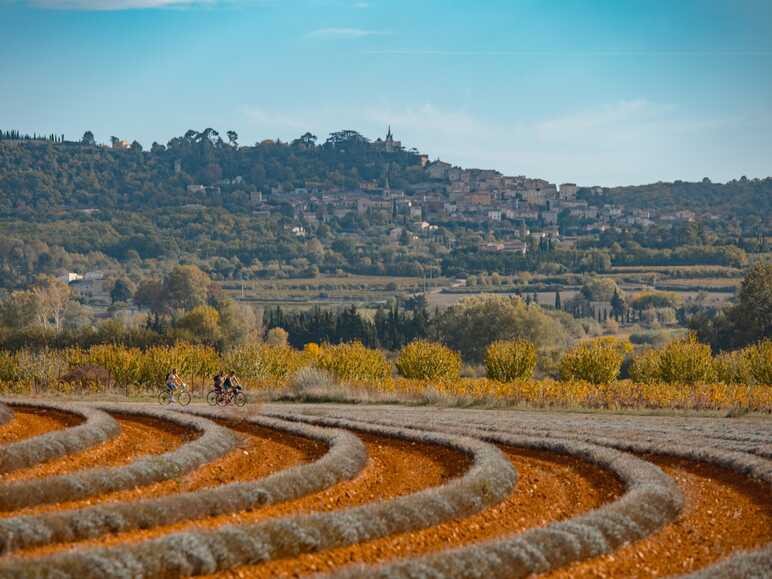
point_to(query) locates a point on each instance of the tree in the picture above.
(276, 337)
(475, 322)
(150, 295)
(185, 287)
(88, 139)
(233, 138)
(202, 324)
(749, 321)
(20, 310)
(122, 291)
(751, 318)
(113, 142)
(558, 303)
(53, 295)
(617, 305)
(599, 289)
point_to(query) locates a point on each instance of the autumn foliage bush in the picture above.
(597, 361)
(425, 360)
(733, 367)
(686, 362)
(507, 361)
(760, 361)
(353, 362)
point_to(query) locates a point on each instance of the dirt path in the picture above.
(27, 423)
(724, 513)
(550, 487)
(394, 468)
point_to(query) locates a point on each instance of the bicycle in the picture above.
(225, 397)
(180, 395)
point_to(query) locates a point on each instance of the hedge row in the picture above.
(97, 428)
(213, 443)
(345, 459)
(490, 479)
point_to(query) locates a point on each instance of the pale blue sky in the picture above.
(593, 91)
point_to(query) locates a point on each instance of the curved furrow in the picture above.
(651, 500)
(123, 519)
(723, 513)
(390, 472)
(137, 437)
(30, 423)
(550, 487)
(488, 480)
(727, 511)
(212, 443)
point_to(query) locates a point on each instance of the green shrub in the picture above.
(507, 361)
(597, 361)
(424, 360)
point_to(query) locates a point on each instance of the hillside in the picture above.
(43, 175)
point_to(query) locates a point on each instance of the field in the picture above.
(360, 290)
(132, 490)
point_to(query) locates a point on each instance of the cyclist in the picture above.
(231, 381)
(218, 383)
(172, 380)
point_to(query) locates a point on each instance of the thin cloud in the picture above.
(113, 5)
(117, 5)
(553, 52)
(345, 33)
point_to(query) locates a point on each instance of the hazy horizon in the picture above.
(592, 92)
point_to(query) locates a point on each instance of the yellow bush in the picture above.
(733, 367)
(278, 362)
(597, 361)
(353, 362)
(685, 362)
(760, 361)
(506, 361)
(645, 367)
(425, 360)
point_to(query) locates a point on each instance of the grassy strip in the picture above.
(213, 443)
(97, 428)
(344, 460)
(489, 480)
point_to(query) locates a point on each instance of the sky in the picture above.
(597, 92)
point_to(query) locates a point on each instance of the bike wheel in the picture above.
(241, 399)
(211, 398)
(165, 398)
(183, 398)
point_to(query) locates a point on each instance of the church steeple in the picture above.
(389, 136)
